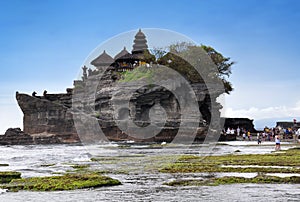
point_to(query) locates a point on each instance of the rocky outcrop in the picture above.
(75, 116)
(47, 119)
(288, 124)
(14, 136)
(242, 123)
(161, 100)
(104, 107)
(46, 113)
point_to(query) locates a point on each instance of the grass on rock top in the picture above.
(148, 74)
(141, 72)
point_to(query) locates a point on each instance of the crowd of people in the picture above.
(268, 134)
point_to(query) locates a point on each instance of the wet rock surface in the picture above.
(14, 136)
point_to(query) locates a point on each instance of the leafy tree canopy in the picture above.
(216, 66)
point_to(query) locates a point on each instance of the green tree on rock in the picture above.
(216, 66)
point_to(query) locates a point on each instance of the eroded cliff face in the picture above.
(105, 104)
(47, 117)
(119, 108)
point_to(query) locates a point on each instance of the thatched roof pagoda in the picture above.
(103, 60)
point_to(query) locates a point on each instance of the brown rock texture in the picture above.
(14, 136)
(79, 114)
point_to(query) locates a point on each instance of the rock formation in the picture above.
(244, 123)
(14, 136)
(81, 112)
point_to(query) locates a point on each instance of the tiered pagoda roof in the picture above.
(137, 53)
(122, 53)
(140, 43)
(103, 60)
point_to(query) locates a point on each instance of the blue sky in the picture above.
(44, 43)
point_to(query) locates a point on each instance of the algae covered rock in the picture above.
(65, 182)
(7, 176)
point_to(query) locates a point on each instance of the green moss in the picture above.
(58, 173)
(7, 176)
(124, 146)
(80, 166)
(290, 158)
(186, 183)
(115, 172)
(148, 74)
(138, 73)
(97, 115)
(47, 165)
(116, 159)
(260, 179)
(65, 182)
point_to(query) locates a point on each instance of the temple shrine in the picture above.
(124, 60)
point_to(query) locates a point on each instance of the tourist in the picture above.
(298, 132)
(286, 133)
(269, 135)
(277, 142)
(244, 136)
(281, 131)
(228, 131)
(258, 139)
(223, 131)
(238, 130)
(249, 135)
(264, 136)
(266, 129)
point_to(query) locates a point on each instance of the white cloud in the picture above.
(265, 113)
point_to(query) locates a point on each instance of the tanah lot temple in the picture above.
(50, 118)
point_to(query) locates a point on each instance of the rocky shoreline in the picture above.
(15, 136)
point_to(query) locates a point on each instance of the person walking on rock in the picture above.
(277, 143)
(258, 138)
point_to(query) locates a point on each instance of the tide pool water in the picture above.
(132, 164)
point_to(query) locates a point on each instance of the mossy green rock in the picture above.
(288, 162)
(80, 166)
(260, 179)
(65, 182)
(7, 176)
